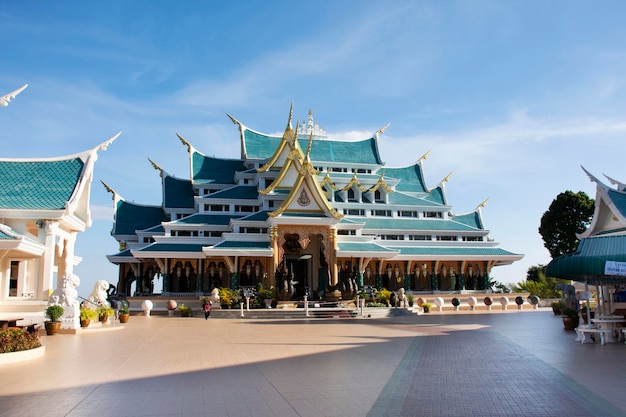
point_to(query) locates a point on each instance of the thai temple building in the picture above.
(44, 205)
(600, 259)
(301, 210)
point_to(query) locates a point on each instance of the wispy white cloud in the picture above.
(519, 133)
(101, 212)
(354, 52)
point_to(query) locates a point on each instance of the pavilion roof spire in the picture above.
(6, 99)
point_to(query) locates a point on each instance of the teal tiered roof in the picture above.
(38, 184)
(177, 193)
(259, 146)
(130, 217)
(206, 169)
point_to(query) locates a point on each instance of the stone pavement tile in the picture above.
(461, 365)
(481, 373)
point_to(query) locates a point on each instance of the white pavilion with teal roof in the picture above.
(305, 204)
(44, 205)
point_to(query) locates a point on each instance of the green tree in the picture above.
(538, 284)
(570, 213)
(536, 273)
(546, 289)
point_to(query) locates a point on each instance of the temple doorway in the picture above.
(300, 268)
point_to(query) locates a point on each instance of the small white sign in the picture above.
(615, 268)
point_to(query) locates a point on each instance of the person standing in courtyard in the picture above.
(207, 310)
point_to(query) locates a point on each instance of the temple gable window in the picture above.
(381, 213)
(472, 238)
(184, 233)
(216, 207)
(354, 212)
(245, 209)
(446, 238)
(391, 237)
(433, 214)
(420, 237)
(352, 196)
(257, 230)
(405, 213)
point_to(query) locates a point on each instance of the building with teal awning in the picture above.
(601, 254)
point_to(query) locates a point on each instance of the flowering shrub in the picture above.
(14, 339)
(185, 311)
(384, 296)
(228, 297)
(375, 304)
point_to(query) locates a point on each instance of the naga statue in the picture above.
(347, 283)
(284, 284)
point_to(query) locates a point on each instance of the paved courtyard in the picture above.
(479, 364)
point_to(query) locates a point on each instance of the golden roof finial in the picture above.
(382, 130)
(483, 204)
(232, 119)
(109, 189)
(156, 166)
(184, 141)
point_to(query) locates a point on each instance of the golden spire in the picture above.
(308, 148)
(290, 117)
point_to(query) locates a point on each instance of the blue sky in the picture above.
(511, 97)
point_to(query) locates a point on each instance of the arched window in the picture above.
(351, 195)
(378, 197)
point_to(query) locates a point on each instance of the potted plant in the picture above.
(268, 296)
(124, 313)
(86, 315)
(426, 307)
(185, 311)
(104, 313)
(570, 318)
(54, 313)
(410, 299)
(557, 307)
